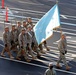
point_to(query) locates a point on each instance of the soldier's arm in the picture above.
(60, 47)
(4, 38)
(54, 72)
(20, 40)
(45, 72)
(65, 44)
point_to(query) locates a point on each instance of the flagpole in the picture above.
(56, 1)
(60, 26)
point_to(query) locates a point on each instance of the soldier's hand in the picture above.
(27, 44)
(12, 42)
(21, 47)
(5, 45)
(65, 52)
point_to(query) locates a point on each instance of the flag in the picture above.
(44, 27)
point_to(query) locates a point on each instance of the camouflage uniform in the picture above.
(33, 42)
(29, 21)
(14, 39)
(62, 46)
(24, 25)
(35, 45)
(19, 28)
(29, 41)
(50, 72)
(7, 43)
(22, 43)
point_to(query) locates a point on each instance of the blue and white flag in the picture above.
(44, 27)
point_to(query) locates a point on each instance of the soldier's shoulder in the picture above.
(3, 32)
(20, 34)
(10, 30)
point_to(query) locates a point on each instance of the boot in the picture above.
(18, 58)
(11, 57)
(39, 54)
(43, 52)
(2, 55)
(58, 66)
(28, 60)
(68, 68)
(48, 49)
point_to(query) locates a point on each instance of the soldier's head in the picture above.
(6, 29)
(23, 30)
(63, 36)
(29, 27)
(24, 24)
(29, 19)
(18, 23)
(13, 27)
(50, 66)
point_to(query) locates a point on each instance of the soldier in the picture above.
(34, 44)
(62, 46)
(22, 43)
(29, 21)
(24, 24)
(7, 42)
(14, 38)
(19, 27)
(50, 70)
(29, 41)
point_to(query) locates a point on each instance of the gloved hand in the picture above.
(27, 44)
(12, 42)
(32, 44)
(5, 45)
(45, 42)
(65, 52)
(51, 67)
(21, 47)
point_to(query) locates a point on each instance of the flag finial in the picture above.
(56, 1)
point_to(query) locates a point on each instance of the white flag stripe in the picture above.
(54, 22)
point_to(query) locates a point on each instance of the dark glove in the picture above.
(5, 45)
(27, 44)
(32, 44)
(12, 42)
(21, 47)
(65, 52)
(16, 40)
(45, 42)
(51, 67)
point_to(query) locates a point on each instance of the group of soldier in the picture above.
(21, 39)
